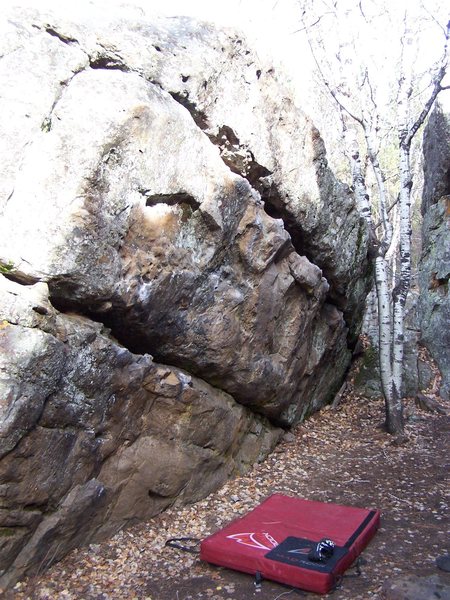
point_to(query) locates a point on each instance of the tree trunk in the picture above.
(402, 288)
(359, 183)
(393, 404)
(395, 423)
(386, 237)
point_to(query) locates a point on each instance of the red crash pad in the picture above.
(276, 537)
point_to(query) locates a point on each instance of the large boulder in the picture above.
(162, 202)
(434, 268)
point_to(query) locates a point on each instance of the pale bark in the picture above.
(384, 326)
(402, 288)
(386, 237)
(359, 185)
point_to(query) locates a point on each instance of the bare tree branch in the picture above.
(388, 210)
(361, 10)
(437, 87)
(426, 109)
(306, 27)
(330, 89)
(316, 22)
(433, 18)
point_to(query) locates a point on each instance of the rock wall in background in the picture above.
(434, 268)
(182, 273)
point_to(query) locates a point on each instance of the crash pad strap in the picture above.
(189, 544)
(360, 529)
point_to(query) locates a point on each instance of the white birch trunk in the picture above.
(359, 184)
(394, 416)
(386, 238)
(384, 327)
(402, 288)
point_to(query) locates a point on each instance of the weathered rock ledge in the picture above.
(182, 273)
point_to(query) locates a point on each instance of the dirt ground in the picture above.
(339, 456)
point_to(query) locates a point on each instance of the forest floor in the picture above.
(339, 455)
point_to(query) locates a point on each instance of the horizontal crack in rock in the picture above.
(138, 344)
(21, 278)
(170, 199)
(108, 62)
(63, 38)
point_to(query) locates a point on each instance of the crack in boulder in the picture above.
(238, 158)
(108, 62)
(65, 39)
(242, 161)
(170, 199)
(200, 118)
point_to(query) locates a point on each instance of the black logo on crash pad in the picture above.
(294, 551)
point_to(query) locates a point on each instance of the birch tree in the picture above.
(369, 115)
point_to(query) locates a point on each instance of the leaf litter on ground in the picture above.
(338, 455)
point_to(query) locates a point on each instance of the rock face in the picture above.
(434, 270)
(94, 437)
(162, 203)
